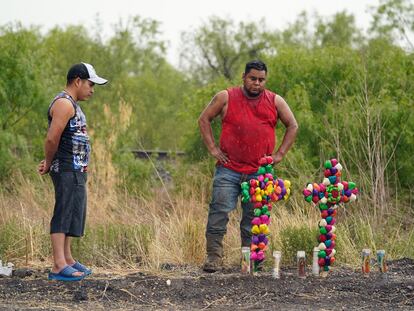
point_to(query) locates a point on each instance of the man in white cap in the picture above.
(66, 160)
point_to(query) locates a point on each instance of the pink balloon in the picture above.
(307, 192)
(260, 255)
(265, 219)
(253, 256)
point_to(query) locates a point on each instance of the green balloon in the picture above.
(267, 213)
(257, 212)
(323, 206)
(322, 254)
(245, 185)
(261, 170)
(328, 164)
(351, 185)
(265, 208)
(322, 230)
(245, 199)
(269, 168)
(326, 268)
(308, 198)
(245, 193)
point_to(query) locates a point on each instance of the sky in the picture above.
(175, 15)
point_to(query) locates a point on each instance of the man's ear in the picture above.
(77, 81)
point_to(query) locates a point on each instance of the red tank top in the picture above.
(248, 130)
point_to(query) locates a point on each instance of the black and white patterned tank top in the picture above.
(74, 147)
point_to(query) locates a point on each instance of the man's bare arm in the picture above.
(216, 107)
(289, 121)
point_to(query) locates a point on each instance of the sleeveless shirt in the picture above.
(248, 129)
(74, 148)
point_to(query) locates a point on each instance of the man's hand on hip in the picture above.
(219, 155)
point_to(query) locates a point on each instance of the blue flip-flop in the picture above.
(66, 274)
(80, 267)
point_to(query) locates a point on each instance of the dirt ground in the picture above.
(191, 289)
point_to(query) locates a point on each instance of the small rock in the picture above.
(22, 273)
(80, 295)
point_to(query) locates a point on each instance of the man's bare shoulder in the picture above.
(62, 106)
(222, 96)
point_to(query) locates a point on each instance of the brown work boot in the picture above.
(212, 265)
(214, 247)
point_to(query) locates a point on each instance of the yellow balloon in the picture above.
(287, 184)
(255, 229)
(258, 198)
(264, 229)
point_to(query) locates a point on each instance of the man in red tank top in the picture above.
(249, 115)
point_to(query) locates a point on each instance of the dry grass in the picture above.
(158, 223)
(131, 230)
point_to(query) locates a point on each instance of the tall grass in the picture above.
(158, 223)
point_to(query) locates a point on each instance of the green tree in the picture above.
(394, 19)
(219, 48)
(338, 30)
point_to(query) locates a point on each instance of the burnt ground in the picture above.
(191, 289)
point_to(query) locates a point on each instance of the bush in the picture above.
(296, 239)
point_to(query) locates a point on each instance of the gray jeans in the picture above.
(226, 191)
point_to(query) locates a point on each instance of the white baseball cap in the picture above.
(85, 71)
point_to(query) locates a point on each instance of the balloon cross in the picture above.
(327, 195)
(263, 191)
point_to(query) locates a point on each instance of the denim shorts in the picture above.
(69, 214)
(226, 192)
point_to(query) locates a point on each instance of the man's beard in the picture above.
(250, 94)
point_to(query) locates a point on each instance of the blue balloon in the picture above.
(332, 179)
